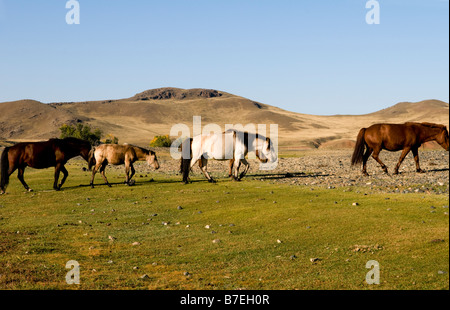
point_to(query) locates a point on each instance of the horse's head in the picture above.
(442, 138)
(152, 160)
(78, 146)
(267, 152)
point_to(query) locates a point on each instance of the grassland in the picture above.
(160, 234)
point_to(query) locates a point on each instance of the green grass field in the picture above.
(230, 235)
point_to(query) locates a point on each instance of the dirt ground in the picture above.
(332, 169)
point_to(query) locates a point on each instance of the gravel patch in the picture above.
(332, 169)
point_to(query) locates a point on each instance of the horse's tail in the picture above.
(4, 170)
(91, 159)
(358, 153)
(185, 163)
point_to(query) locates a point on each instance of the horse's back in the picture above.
(112, 153)
(392, 137)
(33, 154)
(213, 146)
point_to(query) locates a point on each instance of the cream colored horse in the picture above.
(232, 145)
(115, 154)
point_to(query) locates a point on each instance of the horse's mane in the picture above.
(69, 140)
(144, 150)
(245, 136)
(243, 133)
(426, 124)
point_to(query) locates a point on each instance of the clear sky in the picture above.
(308, 56)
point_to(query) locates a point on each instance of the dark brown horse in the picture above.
(395, 137)
(40, 155)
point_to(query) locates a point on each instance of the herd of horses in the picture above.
(231, 145)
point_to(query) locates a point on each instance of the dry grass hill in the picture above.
(153, 112)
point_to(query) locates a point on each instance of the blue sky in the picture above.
(308, 56)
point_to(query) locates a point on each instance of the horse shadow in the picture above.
(287, 175)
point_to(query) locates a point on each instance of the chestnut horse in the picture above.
(115, 154)
(39, 155)
(395, 137)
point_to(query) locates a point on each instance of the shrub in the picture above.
(81, 131)
(111, 139)
(161, 141)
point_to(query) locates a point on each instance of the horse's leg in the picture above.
(102, 172)
(127, 172)
(21, 171)
(65, 175)
(132, 171)
(237, 165)
(402, 157)
(203, 163)
(57, 170)
(415, 151)
(94, 171)
(365, 158)
(230, 164)
(375, 156)
(247, 166)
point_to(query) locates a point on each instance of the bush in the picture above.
(161, 141)
(81, 131)
(111, 139)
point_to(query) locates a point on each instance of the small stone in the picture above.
(144, 277)
(180, 208)
(207, 226)
(187, 274)
(279, 241)
(111, 238)
(216, 241)
(355, 204)
(136, 243)
(313, 260)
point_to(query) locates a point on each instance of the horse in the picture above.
(231, 145)
(115, 154)
(40, 155)
(395, 137)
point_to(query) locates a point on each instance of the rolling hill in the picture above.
(153, 112)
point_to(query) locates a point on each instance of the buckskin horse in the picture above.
(395, 137)
(231, 145)
(40, 155)
(115, 154)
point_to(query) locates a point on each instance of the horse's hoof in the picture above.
(30, 190)
(420, 171)
(212, 181)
